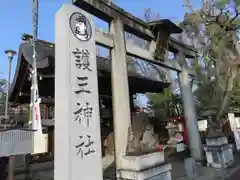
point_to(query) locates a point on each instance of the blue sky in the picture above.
(15, 17)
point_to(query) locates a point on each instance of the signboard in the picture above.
(232, 121)
(202, 125)
(237, 119)
(15, 142)
(77, 123)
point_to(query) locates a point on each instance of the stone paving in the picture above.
(178, 171)
(235, 175)
(208, 173)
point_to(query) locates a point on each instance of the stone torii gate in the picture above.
(77, 124)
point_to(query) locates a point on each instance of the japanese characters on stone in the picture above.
(82, 85)
(84, 146)
(81, 58)
(83, 114)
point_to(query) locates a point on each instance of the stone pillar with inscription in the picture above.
(77, 125)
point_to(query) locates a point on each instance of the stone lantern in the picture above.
(219, 153)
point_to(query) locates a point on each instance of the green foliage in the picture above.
(3, 83)
(221, 3)
(2, 94)
(214, 27)
(165, 105)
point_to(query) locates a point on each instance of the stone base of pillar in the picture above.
(218, 152)
(151, 166)
(237, 138)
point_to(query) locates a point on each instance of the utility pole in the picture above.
(34, 86)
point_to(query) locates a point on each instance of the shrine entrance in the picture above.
(93, 96)
(135, 145)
